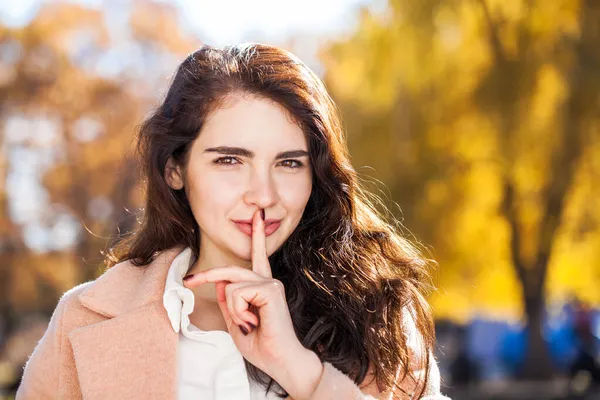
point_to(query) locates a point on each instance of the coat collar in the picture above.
(133, 352)
(125, 287)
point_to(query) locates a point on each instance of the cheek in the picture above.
(294, 195)
(211, 198)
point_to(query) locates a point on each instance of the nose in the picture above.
(261, 190)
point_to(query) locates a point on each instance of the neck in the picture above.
(214, 258)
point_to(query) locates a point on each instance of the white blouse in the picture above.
(209, 364)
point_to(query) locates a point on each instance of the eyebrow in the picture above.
(239, 151)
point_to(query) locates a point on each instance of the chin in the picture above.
(243, 249)
(242, 256)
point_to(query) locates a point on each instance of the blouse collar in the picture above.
(179, 302)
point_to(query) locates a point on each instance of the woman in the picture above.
(261, 269)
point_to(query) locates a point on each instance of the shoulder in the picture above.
(73, 308)
(421, 365)
(66, 309)
(422, 360)
(120, 289)
(125, 286)
(71, 296)
(71, 311)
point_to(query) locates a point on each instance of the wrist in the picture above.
(302, 375)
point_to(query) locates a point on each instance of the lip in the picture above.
(271, 225)
(249, 221)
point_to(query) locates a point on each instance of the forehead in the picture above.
(251, 121)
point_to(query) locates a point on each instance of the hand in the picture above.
(270, 342)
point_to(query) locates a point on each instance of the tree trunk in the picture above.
(538, 365)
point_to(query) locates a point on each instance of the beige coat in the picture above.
(111, 338)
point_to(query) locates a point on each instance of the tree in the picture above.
(72, 92)
(484, 120)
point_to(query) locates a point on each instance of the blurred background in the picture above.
(477, 121)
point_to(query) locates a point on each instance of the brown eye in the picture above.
(293, 164)
(226, 160)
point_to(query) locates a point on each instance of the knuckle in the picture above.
(278, 285)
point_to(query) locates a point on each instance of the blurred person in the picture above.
(261, 268)
(463, 370)
(585, 367)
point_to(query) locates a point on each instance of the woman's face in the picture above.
(248, 156)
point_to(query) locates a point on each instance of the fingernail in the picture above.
(252, 325)
(262, 214)
(243, 329)
(185, 278)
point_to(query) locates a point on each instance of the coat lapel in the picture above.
(133, 352)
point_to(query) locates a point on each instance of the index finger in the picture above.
(260, 261)
(231, 273)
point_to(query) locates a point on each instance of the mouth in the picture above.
(270, 227)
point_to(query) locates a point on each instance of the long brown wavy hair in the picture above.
(349, 274)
